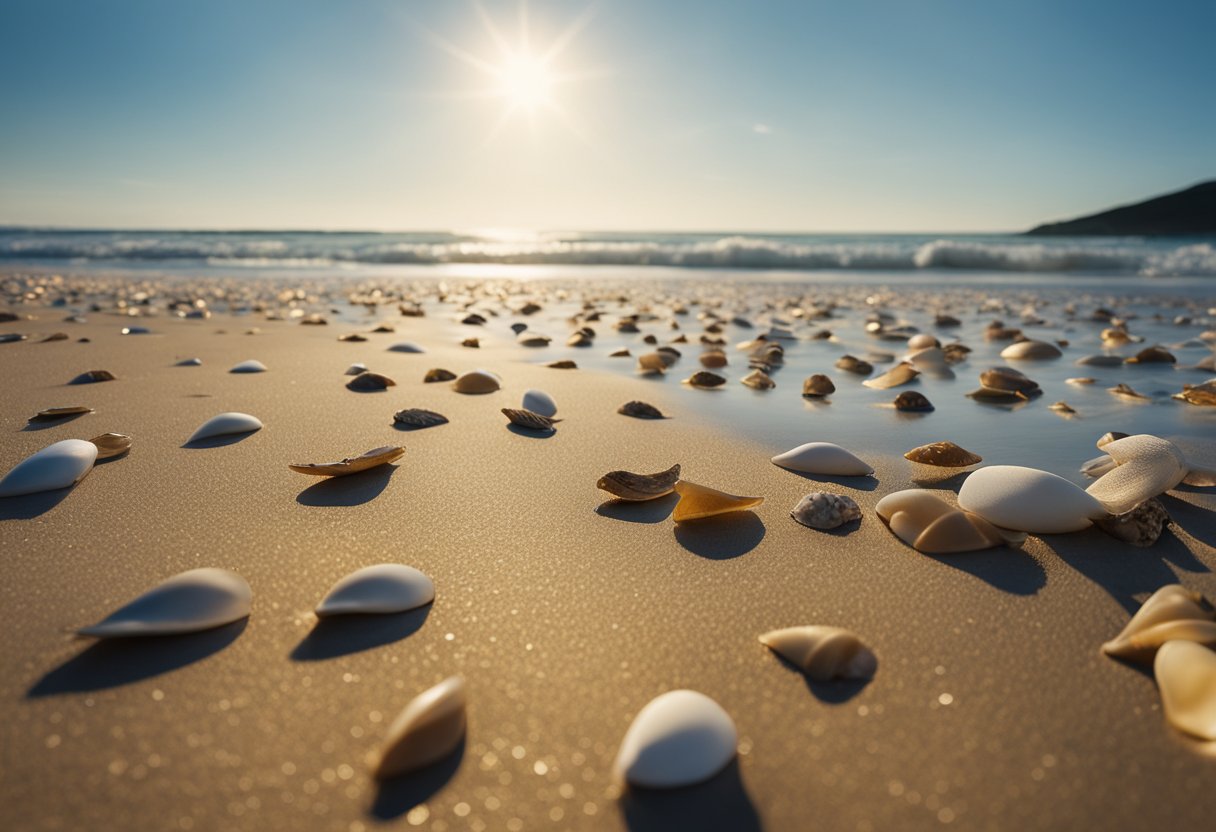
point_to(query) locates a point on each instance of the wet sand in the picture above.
(992, 707)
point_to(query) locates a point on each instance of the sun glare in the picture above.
(525, 81)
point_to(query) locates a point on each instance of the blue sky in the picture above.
(673, 115)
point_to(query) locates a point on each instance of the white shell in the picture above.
(406, 346)
(1147, 466)
(1028, 500)
(929, 524)
(1171, 613)
(1186, 675)
(922, 341)
(427, 730)
(823, 458)
(224, 424)
(476, 382)
(384, 588)
(538, 401)
(823, 652)
(356, 369)
(1031, 351)
(680, 738)
(196, 600)
(250, 366)
(59, 465)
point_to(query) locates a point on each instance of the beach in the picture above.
(566, 612)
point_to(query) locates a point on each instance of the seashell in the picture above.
(1081, 380)
(1108, 437)
(946, 320)
(315, 319)
(821, 510)
(1115, 337)
(1153, 355)
(823, 458)
(60, 465)
(623, 352)
(224, 424)
(651, 363)
(823, 653)
(52, 414)
(911, 401)
(943, 455)
(758, 380)
(705, 379)
(929, 524)
(477, 382)
(1062, 407)
(1146, 466)
(1030, 350)
(350, 465)
(698, 501)
(640, 410)
(1098, 466)
(528, 338)
(528, 419)
(473, 319)
(12, 337)
(250, 366)
(1172, 612)
(406, 346)
(418, 418)
(355, 369)
(994, 396)
(471, 343)
(538, 401)
(930, 360)
(1199, 394)
(384, 327)
(1186, 676)
(111, 445)
(1009, 380)
(1099, 361)
(134, 330)
(189, 362)
(1140, 527)
(579, 339)
(1028, 500)
(955, 353)
(625, 485)
(680, 738)
(429, 729)
(901, 373)
(438, 374)
(518, 327)
(923, 341)
(852, 364)
(200, 599)
(1125, 391)
(369, 382)
(818, 385)
(383, 589)
(713, 359)
(353, 337)
(564, 364)
(93, 376)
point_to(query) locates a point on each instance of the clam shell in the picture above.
(640, 410)
(852, 364)
(1010, 380)
(901, 373)
(821, 510)
(528, 419)
(1172, 612)
(1030, 351)
(53, 414)
(625, 485)
(350, 465)
(823, 458)
(477, 382)
(415, 417)
(651, 363)
(368, 382)
(680, 738)
(384, 588)
(823, 653)
(989, 394)
(540, 402)
(931, 525)
(1146, 466)
(1186, 676)
(911, 401)
(713, 359)
(111, 445)
(1099, 361)
(250, 366)
(60, 465)
(429, 729)
(943, 455)
(224, 424)
(199, 599)
(818, 385)
(406, 347)
(438, 374)
(1028, 500)
(355, 369)
(353, 337)
(93, 376)
(705, 379)
(698, 501)
(758, 380)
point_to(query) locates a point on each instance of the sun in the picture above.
(525, 81)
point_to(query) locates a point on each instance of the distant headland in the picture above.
(1189, 211)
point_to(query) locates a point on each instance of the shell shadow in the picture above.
(398, 795)
(866, 483)
(722, 537)
(351, 490)
(949, 479)
(217, 441)
(52, 423)
(29, 506)
(411, 428)
(644, 511)
(531, 434)
(341, 635)
(1195, 520)
(112, 663)
(1003, 567)
(720, 803)
(832, 692)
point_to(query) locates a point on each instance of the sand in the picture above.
(992, 707)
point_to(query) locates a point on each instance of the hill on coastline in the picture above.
(1189, 211)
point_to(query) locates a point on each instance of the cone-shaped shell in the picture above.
(200, 599)
(1028, 500)
(538, 401)
(1172, 612)
(823, 458)
(1146, 467)
(680, 738)
(351, 465)
(250, 366)
(901, 373)
(823, 652)
(477, 382)
(1186, 676)
(60, 465)
(224, 424)
(698, 501)
(429, 729)
(625, 485)
(1030, 351)
(384, 588)
(943, 455)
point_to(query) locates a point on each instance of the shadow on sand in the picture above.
(722, 537)
(29, 506)
(341, 635)
(720, 803)
(351, 490)
(643, 511)
(398, 795)
(832, 692)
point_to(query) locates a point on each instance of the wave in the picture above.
(1009, 254)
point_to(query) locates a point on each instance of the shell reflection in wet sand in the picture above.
(431, 727)
(823, 652)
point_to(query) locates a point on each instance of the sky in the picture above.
(710, 115)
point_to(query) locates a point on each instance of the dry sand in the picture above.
(992, 707)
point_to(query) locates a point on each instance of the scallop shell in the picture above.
(54, 414)
(698, 501)
(93, 376)
(1030, 351)
(528, 419)
(540, 402)
(818, 385)
(438, 374)
(680, 738)
(224, 424)
(625, 485)
(943, 455)
(911, 401)
(1028, 500)
(369, 382)
(477, 382)
(901, 373)
(705, 379)
(823, 653)
(1172, 612)
(351, 465)
(56, 466)
(199, 599)
(1146, 466)
(640, 410)
(415, 417)
(758, 380)
(429, 729)
(111, 445)
(406, 347)
(250, 366)
(384, 588)
(852, 364)
(821, 510)
(823, 458)
(929, 524)
(1186, 676)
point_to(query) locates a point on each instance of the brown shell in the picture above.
(367, 382)
(564, 364)
(52, 414)
(1062, 407)
(990, 394)
(1153, 355)
(625, 485)
(910, 401)
(901, 373)
(352, 337)
(704, 378)
(471, 343)
(943, 455)
(350, 465)
(758, 379)
(853, 364)
(713, 359)
(1200, 394)
(818, 385)
(640, 410)
(623, 352)
(1009, 380)
(1140, 527)
(579, 339)
(111, 444)
(528, 419)
(438, 374)
(416, 417)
